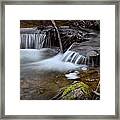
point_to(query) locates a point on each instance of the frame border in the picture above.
(55, 2)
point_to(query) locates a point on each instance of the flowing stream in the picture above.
(45, 71)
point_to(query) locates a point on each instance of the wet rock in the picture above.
(76, 91)
(80, 53)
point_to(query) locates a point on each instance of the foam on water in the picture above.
(72, 76)
(34, 55)
(52, 64)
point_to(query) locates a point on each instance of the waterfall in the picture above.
(74, 57)
(32, 38)
(32, 41)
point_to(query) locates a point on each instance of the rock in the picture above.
(90, 53)
(76, 91)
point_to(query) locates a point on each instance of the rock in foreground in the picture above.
(76, 91)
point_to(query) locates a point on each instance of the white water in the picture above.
(51, 64)
(34, 40)
(74, 57)
(73, 75)
(73, 60)
(34, 55)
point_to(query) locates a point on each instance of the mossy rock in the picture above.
(81, 85)
(76, 91)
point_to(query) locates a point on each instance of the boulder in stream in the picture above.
(75, 91)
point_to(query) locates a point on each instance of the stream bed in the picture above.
(42, 77)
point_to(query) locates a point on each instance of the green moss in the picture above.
(81, 85)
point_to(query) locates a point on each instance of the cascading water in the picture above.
(35, 40)
(38, 61)
(74, 57)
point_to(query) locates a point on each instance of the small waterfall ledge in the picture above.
(77, 53)
(74, 57)
(29, 41)
(32, 38)
(82, 54)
